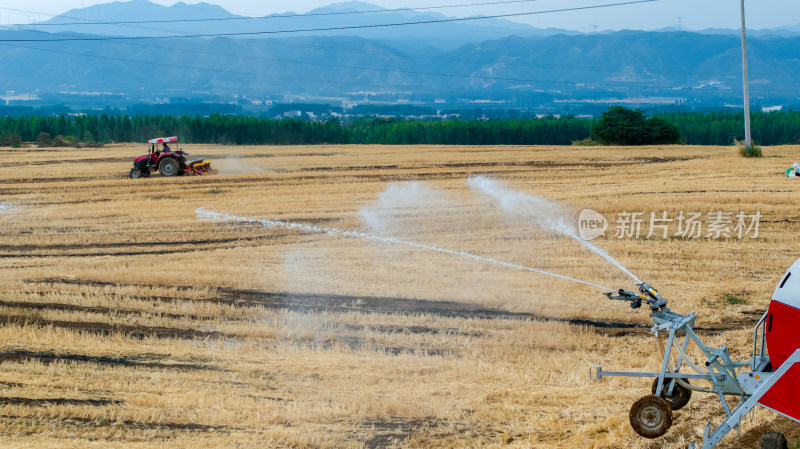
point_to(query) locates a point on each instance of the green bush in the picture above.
(10, 140)
(754, 151)
(734, 300)
(44, 139)
(587, 142)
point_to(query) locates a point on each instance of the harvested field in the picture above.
(128, 321)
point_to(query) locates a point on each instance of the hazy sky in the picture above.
(692, 14)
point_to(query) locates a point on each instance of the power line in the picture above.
(274, 16)
(339, 28)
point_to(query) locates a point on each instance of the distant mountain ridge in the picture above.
(350, 6)
(137, 10)
(442, 35)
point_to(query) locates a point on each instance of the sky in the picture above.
(689, 14)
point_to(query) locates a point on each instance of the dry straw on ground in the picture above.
(129, 322)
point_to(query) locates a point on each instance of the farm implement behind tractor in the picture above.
(168, 162)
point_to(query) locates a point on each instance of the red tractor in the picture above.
(168, 162)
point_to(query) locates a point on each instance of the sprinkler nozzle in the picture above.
(646, 293)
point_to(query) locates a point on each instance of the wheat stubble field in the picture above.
(127, 321)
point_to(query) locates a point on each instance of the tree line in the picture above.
(695, 129)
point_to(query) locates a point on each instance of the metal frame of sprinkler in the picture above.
(651, 416)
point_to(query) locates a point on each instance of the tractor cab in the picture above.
(160, 147)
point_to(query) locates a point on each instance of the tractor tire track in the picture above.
(88, 161)
(133, 331)
(68, 247)
(314, 303)
(42, 402)
(157, 248)
(153, 361)
(78, 421)
(29, 305)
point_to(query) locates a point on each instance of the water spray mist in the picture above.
(209, 215)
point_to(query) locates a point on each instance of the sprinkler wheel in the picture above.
(773, 440)
(680, 395)
(651, 416)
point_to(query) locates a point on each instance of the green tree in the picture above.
(623, 126)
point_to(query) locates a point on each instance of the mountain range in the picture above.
(182, 18)
(492, 64)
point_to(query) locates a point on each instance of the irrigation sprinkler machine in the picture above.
(770, 378)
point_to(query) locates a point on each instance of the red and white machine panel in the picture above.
(783, 338)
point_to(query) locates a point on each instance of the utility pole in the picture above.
(747, 138)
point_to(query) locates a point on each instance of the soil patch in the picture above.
(389, 431)
(389, 329)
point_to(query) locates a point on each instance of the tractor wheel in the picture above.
(135, 173)
(651, 416)
(680, 395)
(773, 440)
(169, 167)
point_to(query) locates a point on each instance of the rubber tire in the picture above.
(135, 173)
(680, 395)
(651, 416)
(773, 440)
(169, 167)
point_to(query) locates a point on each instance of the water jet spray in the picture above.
(546, 213)
(206, 214)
